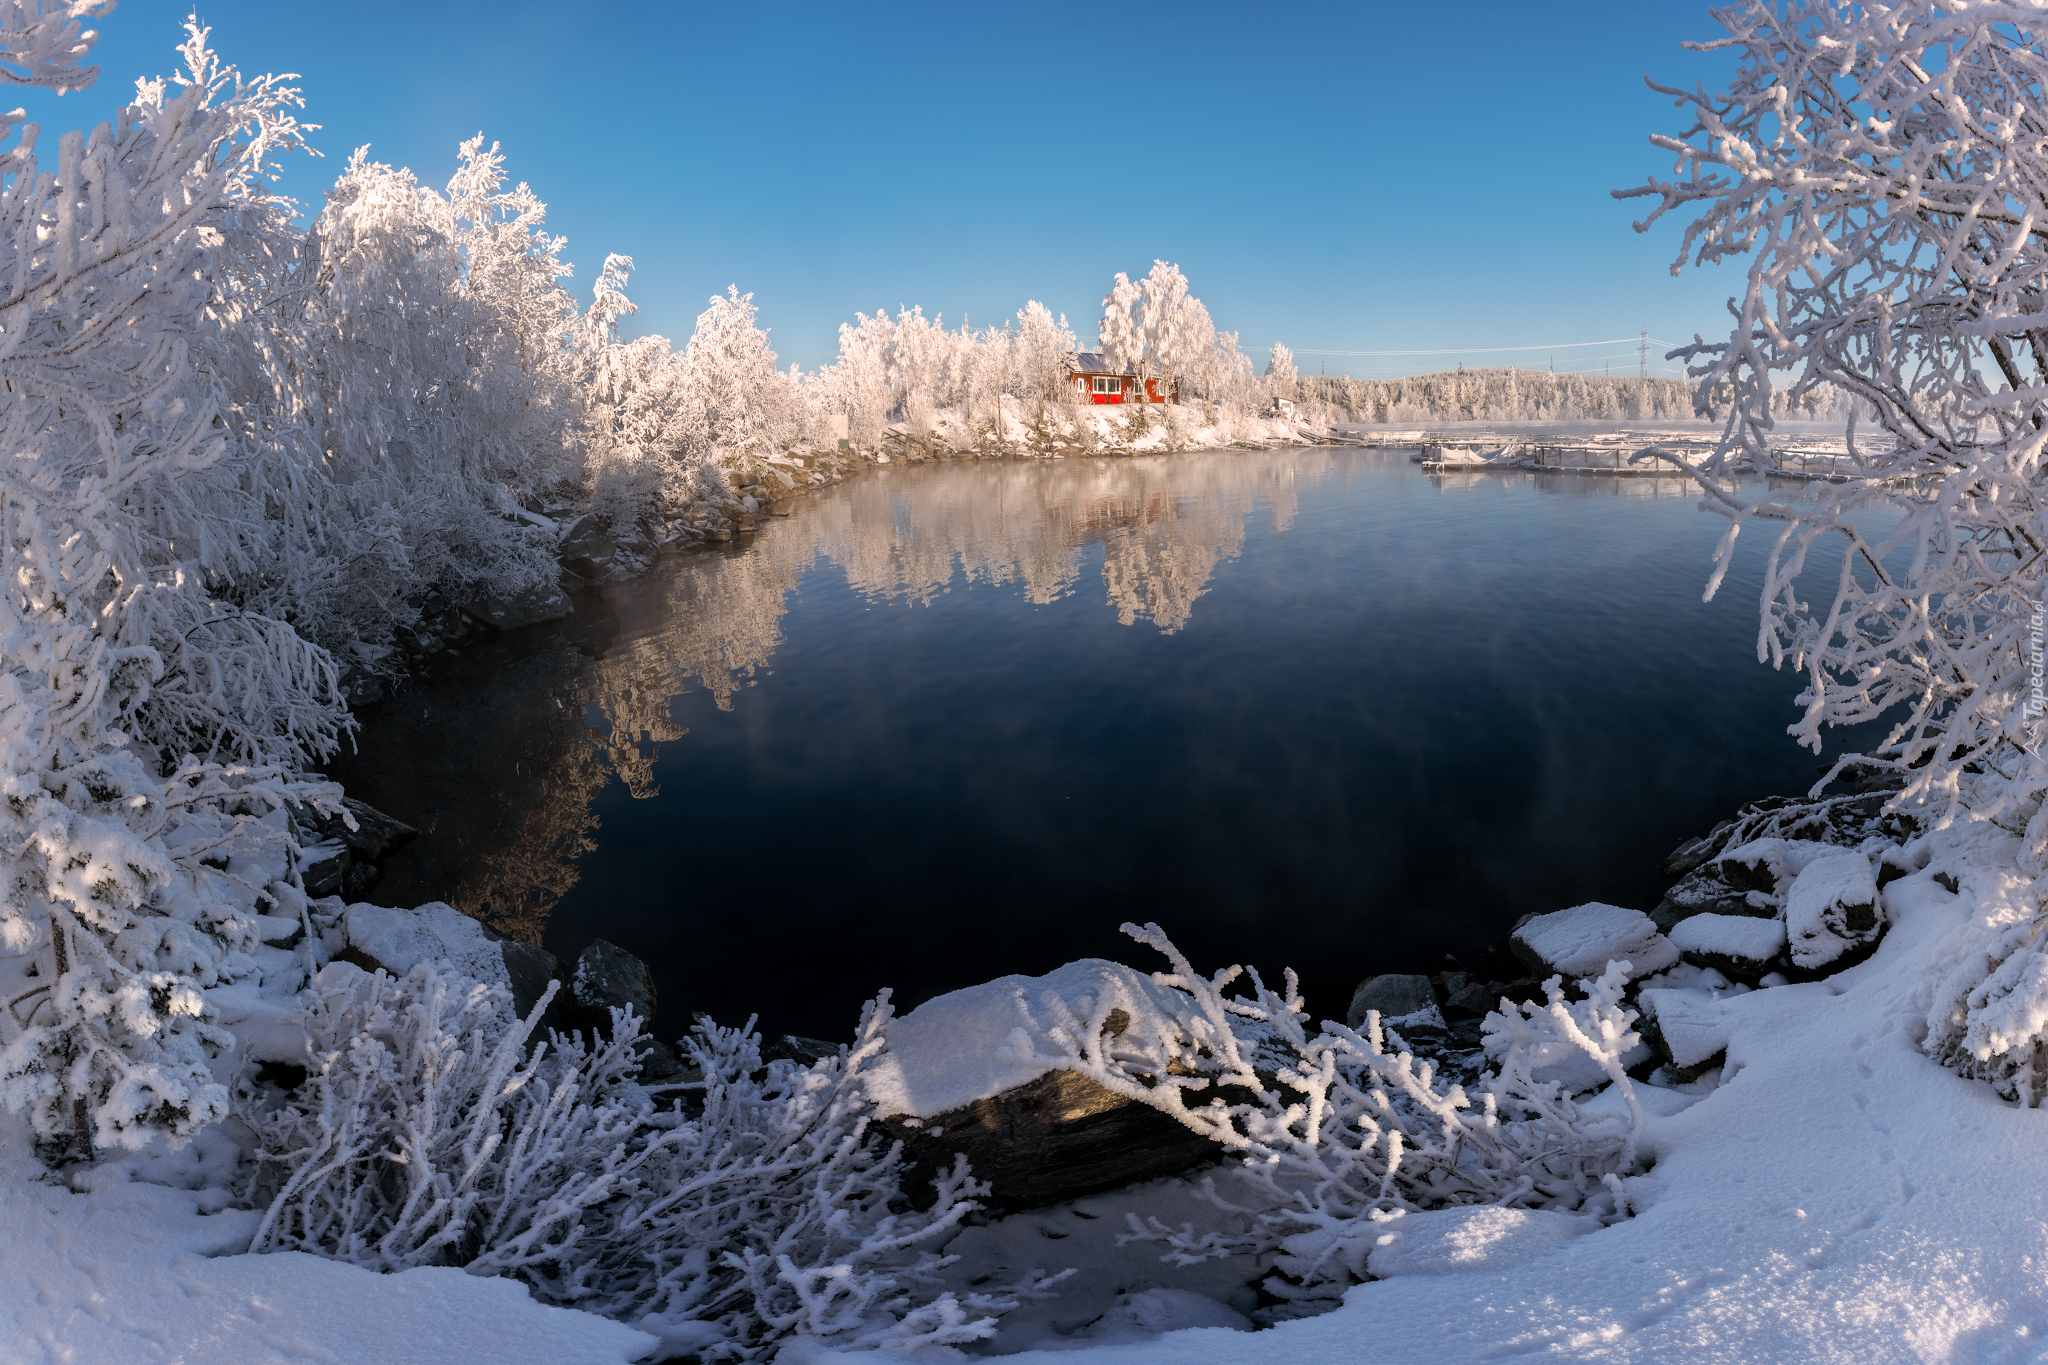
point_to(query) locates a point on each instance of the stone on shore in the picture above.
(1581, 941)
(1406, 1004)
(978, 1072)
(543, 602)
(343, 861)
(1832, 913)
(1742, 947)
(1684, 1025)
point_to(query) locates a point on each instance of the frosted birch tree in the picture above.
(1881, 171)
(1044, 343)
(1877, 174)
(133, 839)
(1280, 374)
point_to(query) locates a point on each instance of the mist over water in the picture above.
(1308, 708)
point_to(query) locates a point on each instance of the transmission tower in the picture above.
(1643, 355)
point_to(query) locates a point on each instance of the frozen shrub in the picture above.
(428, 1133)
(1340, 1130)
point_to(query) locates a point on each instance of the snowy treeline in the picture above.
(910, 368)
(1517, 395)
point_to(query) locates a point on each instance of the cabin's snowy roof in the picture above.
(1092, 362)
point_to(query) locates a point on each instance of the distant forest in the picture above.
(1515, 395)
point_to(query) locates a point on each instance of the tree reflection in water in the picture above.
(499, 756)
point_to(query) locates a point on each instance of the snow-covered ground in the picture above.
(1836, 1196)
(140, 1267)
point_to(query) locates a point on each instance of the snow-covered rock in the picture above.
(1406, 1004)
(970, 1044)
(1832, 911)
(1689, 1022)
(1743, 946)
(1453, 1241)
(969, 1073)
(1581, 941)
(399, 940)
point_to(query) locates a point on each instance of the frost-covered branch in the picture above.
(1342, 1128)
(1878, 171)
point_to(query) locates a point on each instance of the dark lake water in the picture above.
(1309, 708)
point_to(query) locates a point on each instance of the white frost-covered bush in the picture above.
(761, 1207)
(148, 729)
(1342, 1130)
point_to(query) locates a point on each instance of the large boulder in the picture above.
(977, 1072)
(608, 978)
(1581, 941)
(1703, 891)
(1693, 852)
(587, 538)
(1052, 1139)
(1833, 916)
(341, 856)
(377, 937)
(1685, 1026)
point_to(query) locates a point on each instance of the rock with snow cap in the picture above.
(1686, 1025)
(1833, 916)
(396, 940)
(1581, 941)
(976, 1072)
(1743, 947)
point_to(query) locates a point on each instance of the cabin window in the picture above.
(1103, 385)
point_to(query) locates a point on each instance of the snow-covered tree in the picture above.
(1280, 374)
(1881, 169)
(1117, 335)
(42, 42)
(1043, 345)
(147, 727)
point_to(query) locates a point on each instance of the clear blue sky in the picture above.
(1344, 177)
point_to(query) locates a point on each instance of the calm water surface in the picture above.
(1308, 708)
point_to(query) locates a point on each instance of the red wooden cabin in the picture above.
(1096, 381)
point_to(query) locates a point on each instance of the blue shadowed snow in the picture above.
(1313, 708)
